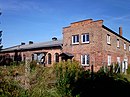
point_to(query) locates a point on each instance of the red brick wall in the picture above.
(93, 48)
(29, 53)
(98, 47)
(112, 48)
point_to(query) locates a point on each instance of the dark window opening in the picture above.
(49, 58)
(56, 57)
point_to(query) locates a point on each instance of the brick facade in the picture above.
(97, 48)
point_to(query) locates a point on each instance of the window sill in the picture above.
(109, 43)
(108, 65)
(85, 65)
(85, 42)
(75, 43)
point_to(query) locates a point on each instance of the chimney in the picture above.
(22, 43)
(120, 31)
(30, 42)
(54, 38)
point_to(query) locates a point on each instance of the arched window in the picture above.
(49, 58)
(56, 57)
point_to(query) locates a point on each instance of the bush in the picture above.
(33, 65)
(112, 84)
(66, 75)
(10, 88)
(128, 70)
(43, 83)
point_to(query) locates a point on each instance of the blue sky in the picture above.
(40, 20)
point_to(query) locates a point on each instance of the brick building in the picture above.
(45, 53)
(87, 41)
(92, 43)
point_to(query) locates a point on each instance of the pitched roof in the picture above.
(57, 43)
(67, 54)
(115, 33)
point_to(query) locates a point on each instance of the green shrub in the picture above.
(33, 65)
(10, 88)
(128, 70)
(66, 75)
(43, 83)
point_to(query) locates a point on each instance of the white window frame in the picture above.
(124, 46)
(85, 35)
(118, 43)
(118, 60)
(76, 41)
(109, 60)
(108, 39)
(87, 60)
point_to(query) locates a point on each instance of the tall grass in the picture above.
(43, 83)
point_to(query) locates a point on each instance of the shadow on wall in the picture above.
(101, 85)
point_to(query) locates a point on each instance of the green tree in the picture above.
(1, 36)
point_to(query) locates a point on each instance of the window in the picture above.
(109, 60)
(118, 59)
(85, 38)
(56, 57)
(124, 46)
(85, 60)
(118, 43)
(49, 58)
(75, 39)
(108, 39)
(129, 47)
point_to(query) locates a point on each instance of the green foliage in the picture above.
(43, 83)
(65, 79)
(33, 65)
(128, 71)
(10, 88)
(66, 74)
(14, 63)
(91, 86)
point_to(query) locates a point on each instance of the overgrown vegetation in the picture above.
(9, 86)
(66, 75)
(65, 79)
